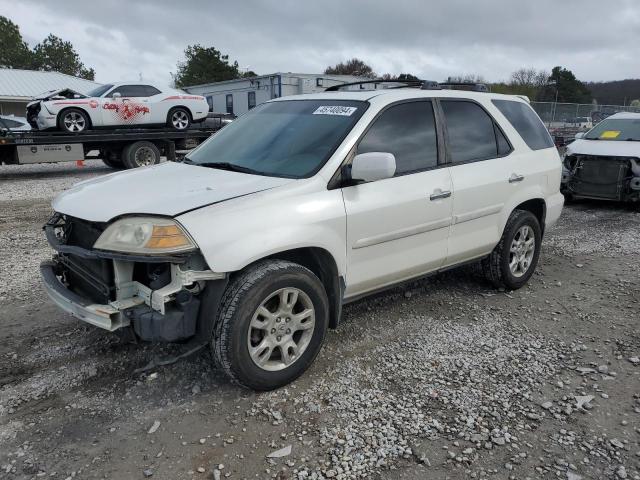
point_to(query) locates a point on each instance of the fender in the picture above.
(235, 233)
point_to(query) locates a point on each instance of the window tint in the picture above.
(210, 102)
(151, 91)
(526, 122)
(230, 103)
(131, 91)
(472, 134)
(251, 100)
(408, 131)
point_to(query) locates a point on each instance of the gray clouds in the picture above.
(122, 39)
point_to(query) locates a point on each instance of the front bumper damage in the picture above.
(601, 177)
(160, 297)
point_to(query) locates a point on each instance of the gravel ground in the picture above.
(442, 378)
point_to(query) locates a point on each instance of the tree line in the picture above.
(52, 54)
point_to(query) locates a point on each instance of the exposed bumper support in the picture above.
(103, 316)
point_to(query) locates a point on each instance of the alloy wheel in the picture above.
(281, 329)
(523, 247)
(180, 119)
(74, 122)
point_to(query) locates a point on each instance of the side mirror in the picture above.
(116, 95)
(372, 166)
(579, 135)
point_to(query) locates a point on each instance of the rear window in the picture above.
(526, 122)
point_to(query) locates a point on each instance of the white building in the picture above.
(18, 87)
(240, 95)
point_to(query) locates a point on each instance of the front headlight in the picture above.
(147, 235)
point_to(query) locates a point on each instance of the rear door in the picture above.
(397, 228)
(480, 164)
(131, 108)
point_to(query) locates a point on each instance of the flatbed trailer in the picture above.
(120, 149)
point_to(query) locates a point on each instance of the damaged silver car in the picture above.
(604, 163)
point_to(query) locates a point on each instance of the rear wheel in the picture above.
(140, 154)
(179, 118)
(73, 120)
(271, 324)
(514, 259)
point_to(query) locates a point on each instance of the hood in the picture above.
(608, 148)
(167, 189)
(60, 93)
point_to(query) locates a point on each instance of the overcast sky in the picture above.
(123, 39)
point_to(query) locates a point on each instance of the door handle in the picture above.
(515, 178)
(438, 194)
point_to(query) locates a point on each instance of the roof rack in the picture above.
(422, 84)
(470, 86)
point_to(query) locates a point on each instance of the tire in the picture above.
(140, 154)
(265, 284)
(73, 120)
(497, 267)
(179, 118)
(111, 160)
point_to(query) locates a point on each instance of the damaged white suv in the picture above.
(258, 238)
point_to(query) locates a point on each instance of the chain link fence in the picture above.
(576, 115)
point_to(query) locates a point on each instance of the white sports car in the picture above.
(116, 105)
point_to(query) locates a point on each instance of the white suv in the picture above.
(254, 243)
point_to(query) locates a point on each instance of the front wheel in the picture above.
(514, 259)
(271, 324)
(73, 120)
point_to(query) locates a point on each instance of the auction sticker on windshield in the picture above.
(335, 110)
(610, 134)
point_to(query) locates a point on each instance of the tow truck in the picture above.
(119, 149)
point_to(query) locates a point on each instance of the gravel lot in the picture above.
(443, 378)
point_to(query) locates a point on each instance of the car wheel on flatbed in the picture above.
(271, 324)
(73, 120)
(179, 118)
(140, 154)
(514, 259)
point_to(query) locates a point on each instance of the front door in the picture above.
(398, 228)
(131, 107)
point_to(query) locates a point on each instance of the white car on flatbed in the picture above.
(128, 104)
(253, 243)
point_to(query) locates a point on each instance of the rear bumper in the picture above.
(103, 316)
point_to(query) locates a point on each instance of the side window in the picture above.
(130, 91)
(229, 103)
(210, 102)
(472, 133)
(251, 100)
(408, 131)
(150, 91)
(526, 122)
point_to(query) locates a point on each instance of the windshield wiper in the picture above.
(225, 166)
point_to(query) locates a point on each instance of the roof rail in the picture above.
(422, 84)
(470, 86)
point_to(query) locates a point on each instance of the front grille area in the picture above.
(91, 278)
(598, 177)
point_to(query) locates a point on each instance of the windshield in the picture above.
(292, 138)
(98, 91)
(616, 129)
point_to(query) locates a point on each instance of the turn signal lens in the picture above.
(169, 236)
